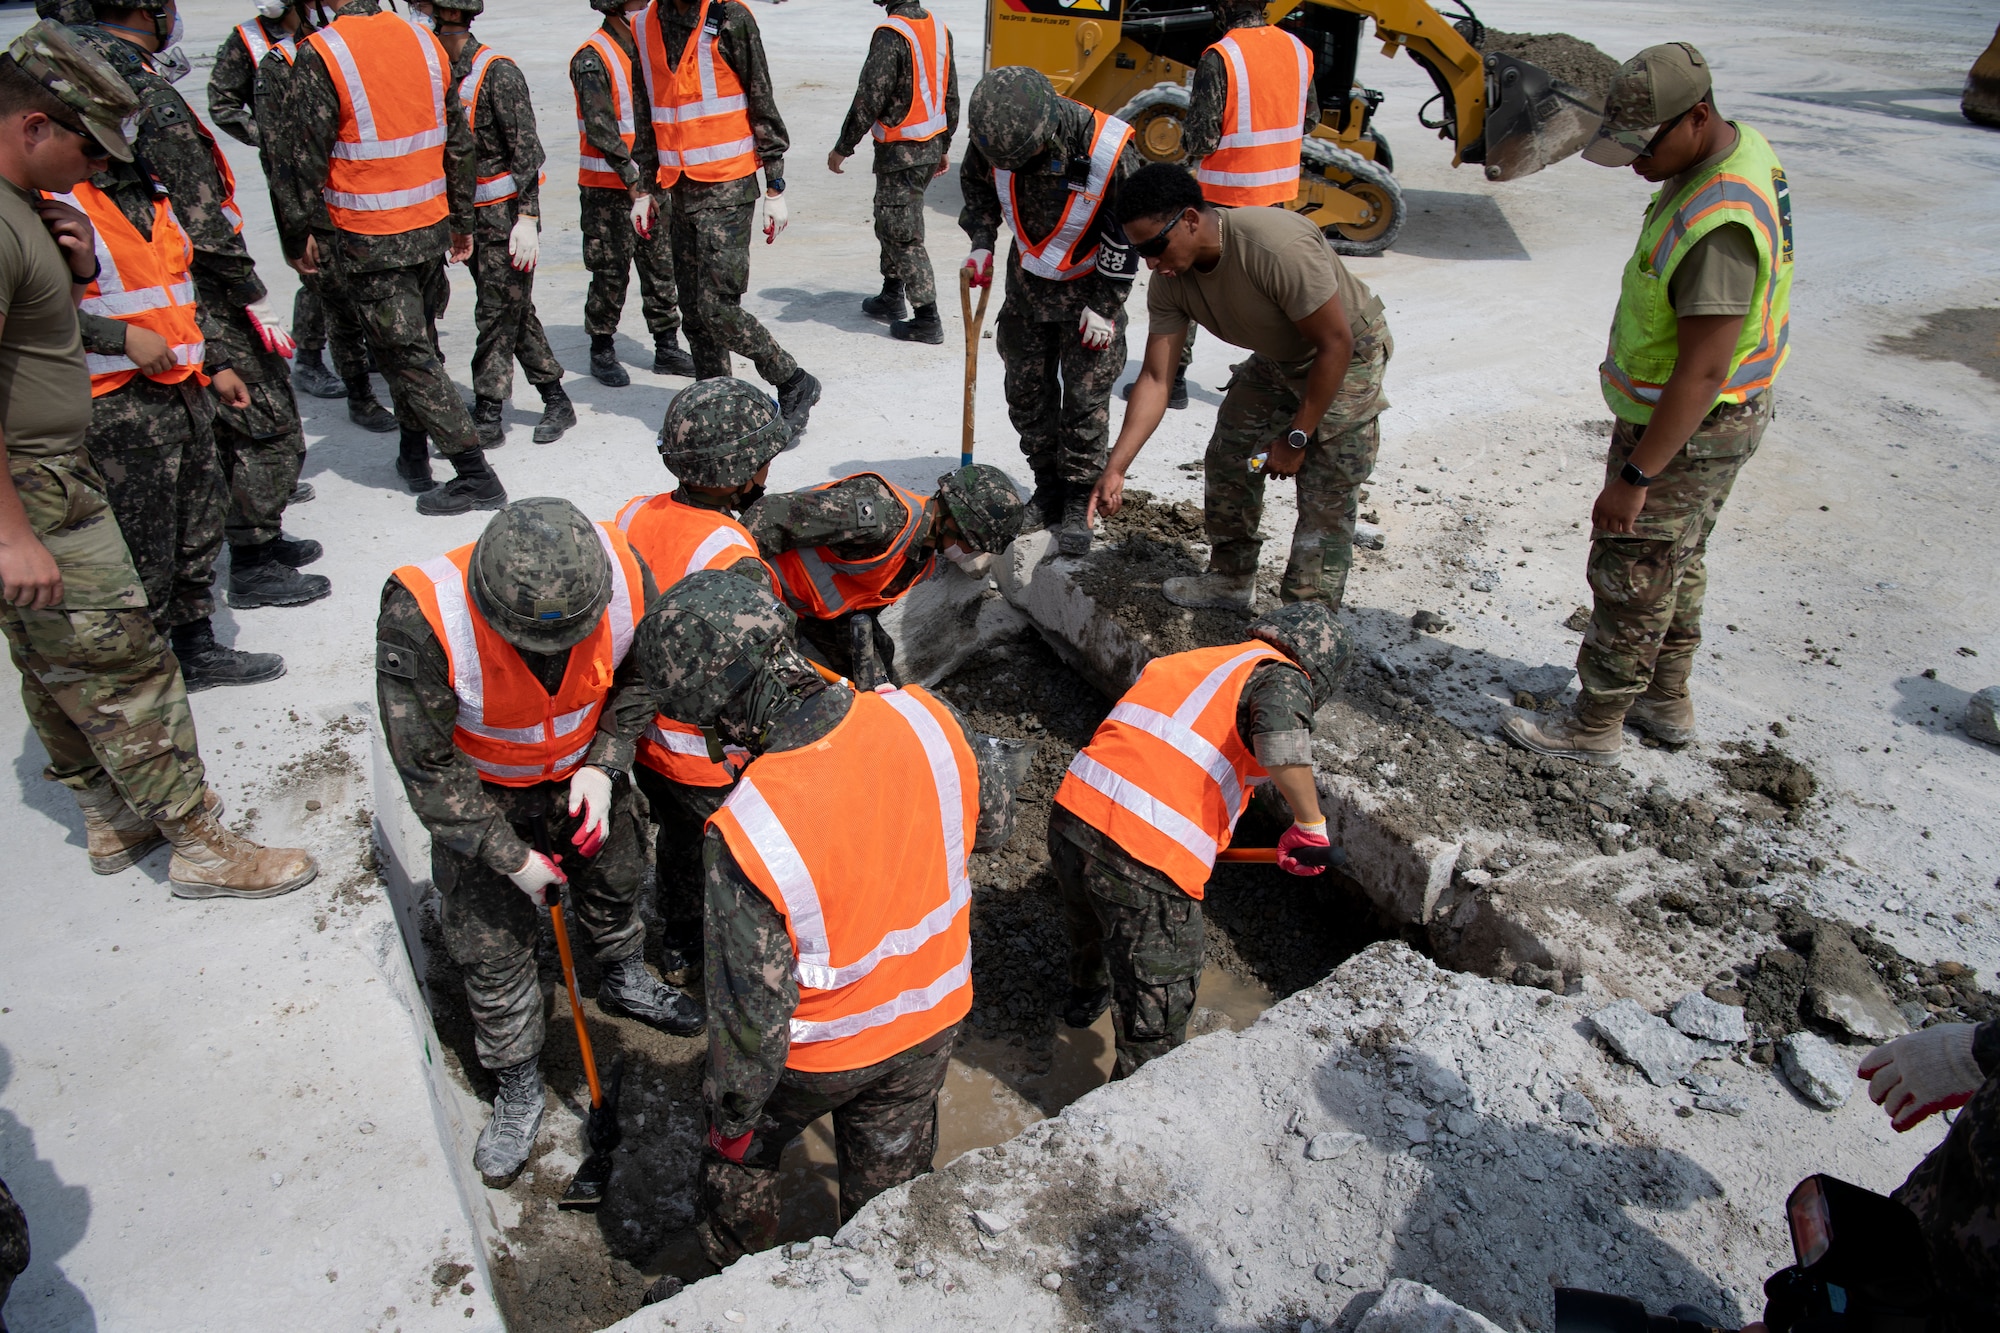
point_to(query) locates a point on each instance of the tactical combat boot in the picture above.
(681, 957)
(1073, 537)
(1223, 592)
(1045, 507)
(1176, 395)
(669, 357)
(413, 462)
(604, 367)
(1085, 1005)
(889, 303)
(475, 487)
(301, 494)
(558, 413)
(1590, 732)
(211, 862)
(1666, 710)
(509, 1137)
(298, 552)
(795, 399)
(119, 836)
(925, 328)
(364, 411)
(310, 375)
(629, 989)
(486, 421)
(258, 578)
(206, 663)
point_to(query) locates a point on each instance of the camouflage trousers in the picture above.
(1145, 943)
(611, 249)
(679, 812)
(1256, 412)
(504, 313)
(1952, 1194)
(155, 444)
(1059, 393)
(1647, 588)
(711, 249)
(13, 1244)
(97, 680)
(262, 446)
(399, 308)
(325, 321)
(885, 1132)
(899, 229)
(490, 927)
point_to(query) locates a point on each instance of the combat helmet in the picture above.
(77, 13)
(540, 575)
(1014, 111)
(469, 8)
(709, 637)
(719, 432)
(984, 505)
(1309, 634)
(609, 6)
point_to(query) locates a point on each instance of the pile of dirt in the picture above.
(1770, 772)
(1570, 59)
(1146, 543)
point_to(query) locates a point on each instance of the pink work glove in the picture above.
(1297, 836)
(1917, 1075)
(536, 877)
(733, 1149)
(980, 264)
(590, 794)
(270, 327)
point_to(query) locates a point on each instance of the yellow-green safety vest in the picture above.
(1747, 187)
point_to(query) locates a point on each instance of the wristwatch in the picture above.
(1632, 476)
(1298, 439)
(774, 186)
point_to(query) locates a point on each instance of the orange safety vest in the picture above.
(512, 730)
(701, 118)
(874, 895)
(816, 582)
(930, 70)
(387, 172)
(1164, 776)
(498, 188)
(259, 44)
(591, 168)
(141, 282)
(675, 540)
(1256, 161)
(1056, 255)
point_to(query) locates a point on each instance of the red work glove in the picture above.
(1916, 1076)
(980, 264)
(733, 1149)
(590, 795)
(1297, 836)
(269, 326)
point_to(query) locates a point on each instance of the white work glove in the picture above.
(535, 876)
(776, 215)
(1919, 1074)
(590, 792)
(974, 566)
(524, 243)
(643, 216)
(271, 330)
(981, 264)
(1095, 330)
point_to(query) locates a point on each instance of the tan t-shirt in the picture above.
(1718, 276)
(1275, 269)
(44, 387)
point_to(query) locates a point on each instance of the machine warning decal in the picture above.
(1106, 8)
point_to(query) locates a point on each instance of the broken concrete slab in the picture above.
(1982, 715)
(1842, 989)
(1043, 586)
(940, 623)
(1412, 1307)
(1698, 1016)
(1816, 1069)
(1404, 873)
(1661, 1054)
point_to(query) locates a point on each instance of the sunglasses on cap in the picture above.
(1157, 246)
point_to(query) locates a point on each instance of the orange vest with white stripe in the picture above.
(1062, 255)
(145, 283)
(1263, 119)
(515, 733)
(259, 44)
(930, 77)
(387, 173)
(701, 117)
(1165, 775)
(675, 540)
(817, 583)
(500, 186)
(874, 893)
(591, 168)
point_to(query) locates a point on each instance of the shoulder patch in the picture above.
(393, 659)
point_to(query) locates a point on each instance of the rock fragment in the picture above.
(1816, 1069)
(1842, 989)
(1053, 1281)
(1699, 1016)
(1982, 715)
(1412, 1307)
(1576, 1109)
(989, 1224)
(1642, 1039)
(1333, 1144)
(1722, 1104)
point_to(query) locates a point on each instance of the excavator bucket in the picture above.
(1532, 119)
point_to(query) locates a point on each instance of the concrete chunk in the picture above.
(1842, 989)
(1982, 715)
(1662, 1054)
(1412, 1307)
(1816, 1069)
(1698, 1016)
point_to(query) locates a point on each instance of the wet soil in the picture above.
(1145, 543)
(1574, 61)
(1970, 337)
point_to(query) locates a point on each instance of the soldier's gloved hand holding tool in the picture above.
(1310, 858)
(270, 327)
(524, 243)
(976, 272)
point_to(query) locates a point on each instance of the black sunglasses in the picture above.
(92, 147)
(1156, 247)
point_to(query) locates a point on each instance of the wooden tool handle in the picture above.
(975, 320)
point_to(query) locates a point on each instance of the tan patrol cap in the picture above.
(83, 80)
(1650, 89)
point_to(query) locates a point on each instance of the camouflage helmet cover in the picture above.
(705, 640)
(469, 8)
(719, 432)
(984, 505)
(1309, 634)
(81, 80)
(609, 6)
(1014, 112)
(540, 575)
(81, 13)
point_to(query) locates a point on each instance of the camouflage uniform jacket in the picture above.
(419, 711)
(505, 140)
(752, 993)
(232, 85)
(134, 192)
(858, 517)
(884, 92)
(1274, 717)
(1955, 1193)
(1202, 129)
(743, 52)
(1043, 192)
(599, 108)
(310, 110)
(175, 146)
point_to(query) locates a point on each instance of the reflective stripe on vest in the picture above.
(592, 169)
(816, 582)
(876, 901)
(490, 679)
(259, 46)
(1747, 188)
(1165, 774)
(930, 69)
(387, 173)
(1054, 256)
(701, 117)
(498, 188)
(142, 282)
(1256, 161)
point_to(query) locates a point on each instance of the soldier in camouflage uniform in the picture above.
(904, 168)
(718, 653)
(535, 557)
(610, 244)
(1063, 341)
(1135, 931)
(14, 1253)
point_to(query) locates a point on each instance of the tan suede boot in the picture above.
(1666, 710)
(1224, 592)
(119, 836)
(1589, 732)
(211, 862)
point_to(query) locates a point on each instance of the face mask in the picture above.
(423, 20)
(172, 36)
(173, 64)
(273, 9)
